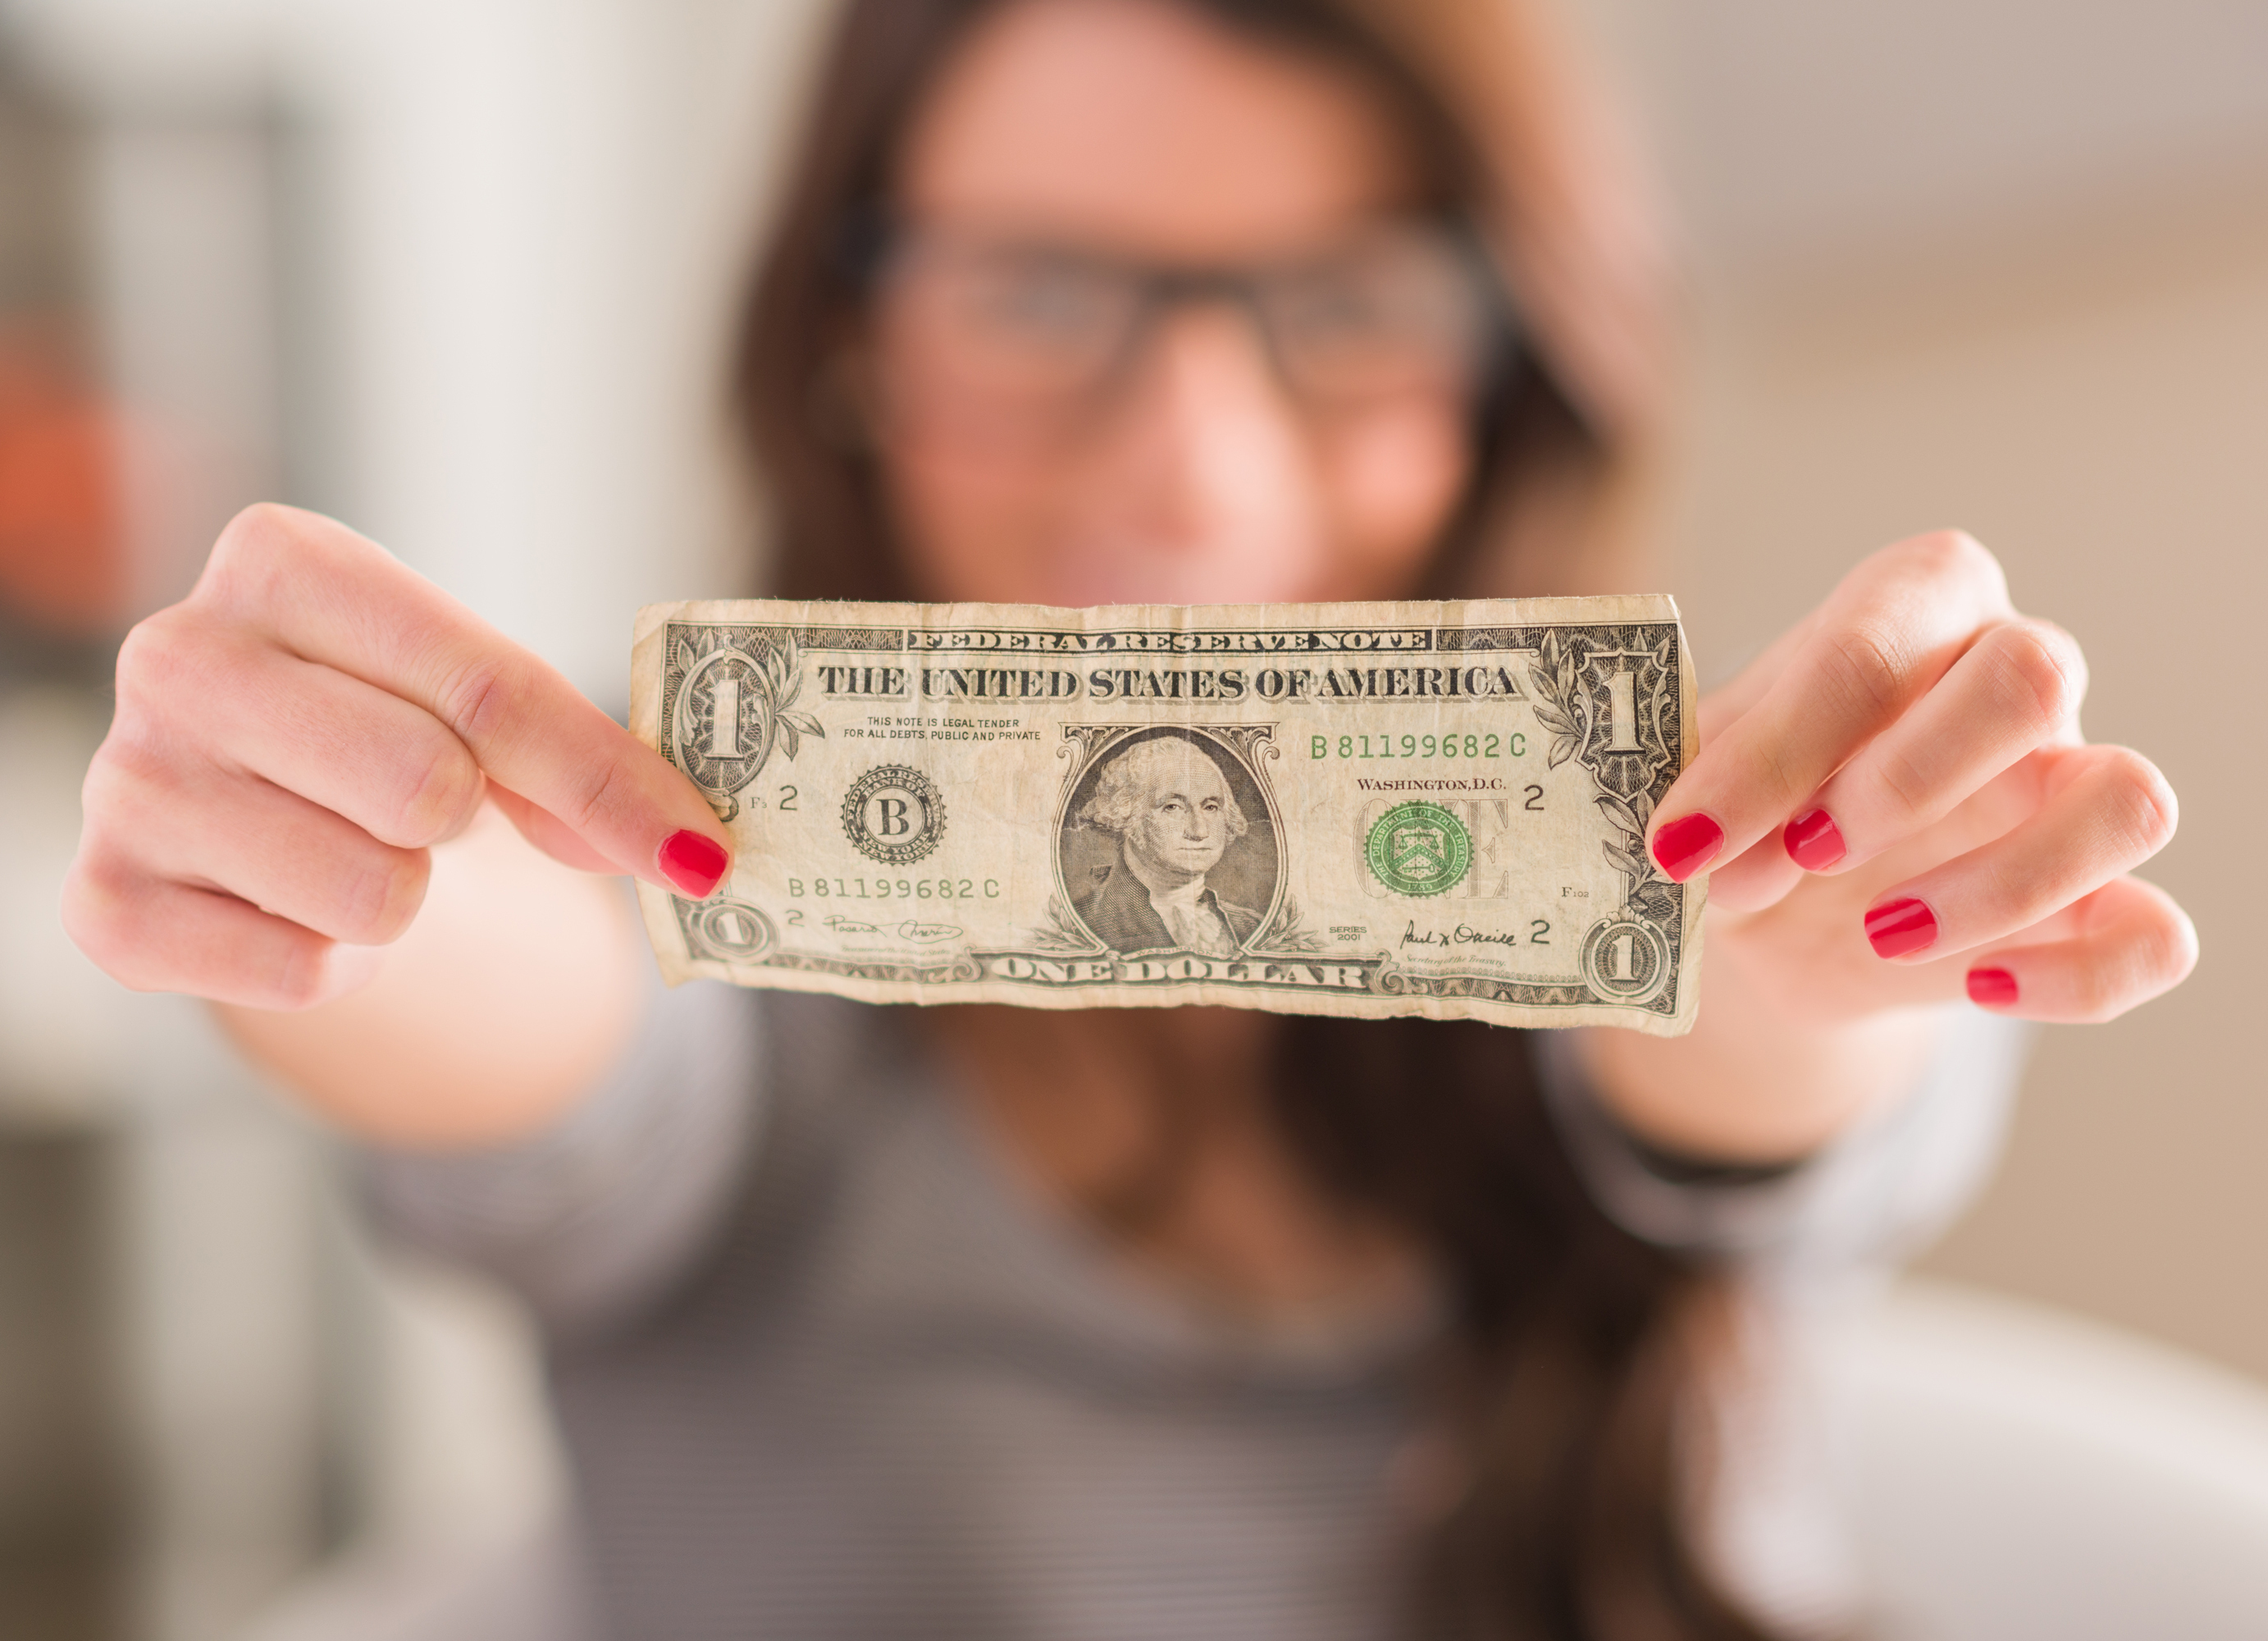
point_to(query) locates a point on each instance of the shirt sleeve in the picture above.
(597, 1215)
(1873, 1196)
(1807, 1242)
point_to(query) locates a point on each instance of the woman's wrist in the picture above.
(518, 983)
(1757, 1083)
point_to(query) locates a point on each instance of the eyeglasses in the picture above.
(1017, 325)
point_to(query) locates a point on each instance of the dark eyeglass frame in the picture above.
(880, 243)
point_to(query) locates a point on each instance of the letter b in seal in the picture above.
(894, 814)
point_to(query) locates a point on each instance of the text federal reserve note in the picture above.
(1393, 809)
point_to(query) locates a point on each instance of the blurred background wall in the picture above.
(459, 271)
(2003, 264)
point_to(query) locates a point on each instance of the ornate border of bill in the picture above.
(1436, 809)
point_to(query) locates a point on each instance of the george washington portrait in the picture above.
(1159, 850)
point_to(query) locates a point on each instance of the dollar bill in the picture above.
(1369, 809)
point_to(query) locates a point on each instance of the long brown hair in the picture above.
(1568, 1513)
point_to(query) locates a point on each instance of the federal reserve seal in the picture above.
(894, 814)
(1418, 848)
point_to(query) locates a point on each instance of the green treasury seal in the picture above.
(1419, 849)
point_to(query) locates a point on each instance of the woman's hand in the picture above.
(292, 739)
(1896, 807)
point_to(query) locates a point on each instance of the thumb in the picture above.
(692, 859)
(603, 799)
(547, 832)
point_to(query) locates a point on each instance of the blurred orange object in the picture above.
(62, 538)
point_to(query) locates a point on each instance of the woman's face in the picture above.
(1073, 407)
(1182, 826)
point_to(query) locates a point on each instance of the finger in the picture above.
(2018, 687)
(390, 767)
(212, 828)
(1888, 632)
(1745, 688)
(155, 935)
(1993, 811)
(334, 598)
(547, 831)
(2108, 811)
(2132, 943)
(1760, 876)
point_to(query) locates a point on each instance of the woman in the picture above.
(994, 1321)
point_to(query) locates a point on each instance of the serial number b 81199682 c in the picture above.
(893, 888)
(1478, 745)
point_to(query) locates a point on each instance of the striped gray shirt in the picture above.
(824, 1367)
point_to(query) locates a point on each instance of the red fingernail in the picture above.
(1686, 844)
(696, 864)
(1898, 927)
(1813, 842)
(1993, 988)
